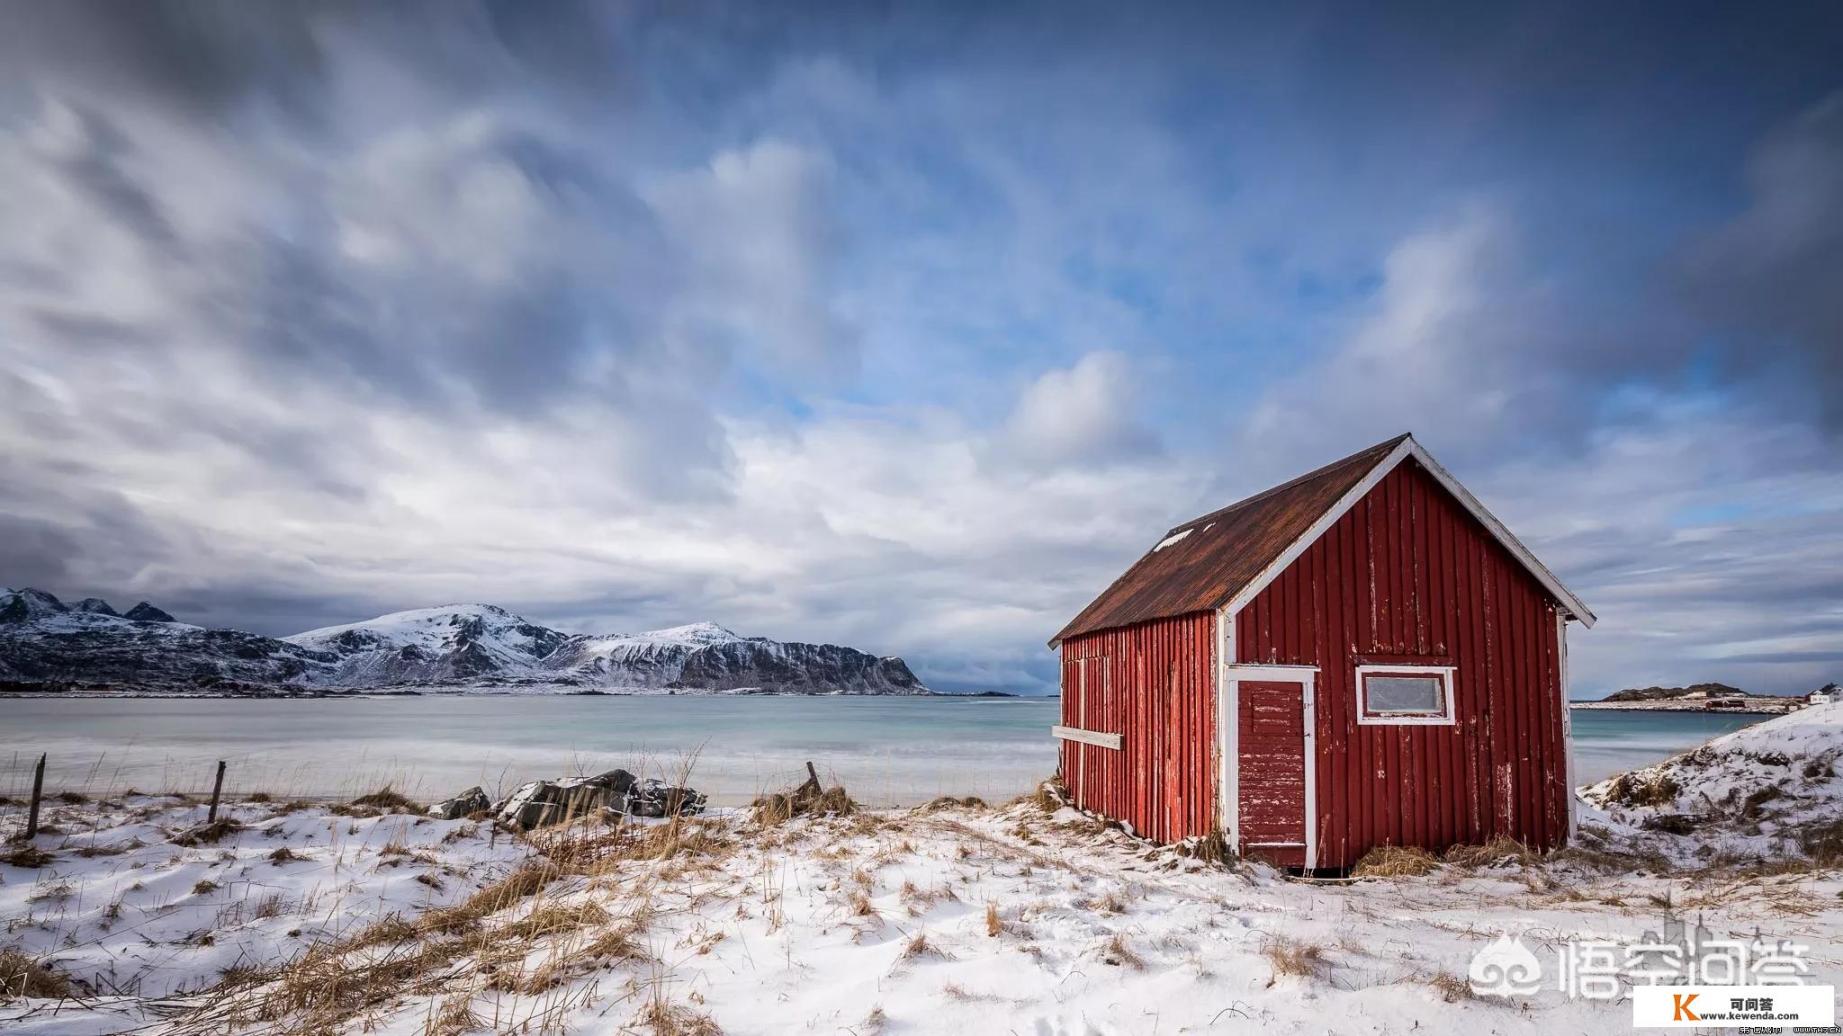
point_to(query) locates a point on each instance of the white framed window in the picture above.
(1405, 695)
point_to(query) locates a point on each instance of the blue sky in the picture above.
(910, 328)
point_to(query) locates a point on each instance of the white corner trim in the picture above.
(1088, 737)
(1567, 723)
(1228, 776)
(1450, 697)
(1410, 448)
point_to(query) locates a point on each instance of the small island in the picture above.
(1708, 697)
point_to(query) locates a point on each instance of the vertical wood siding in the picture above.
(1408, 576)
(1153, 684)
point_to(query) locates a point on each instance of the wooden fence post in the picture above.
(38, 790)
(217, 788)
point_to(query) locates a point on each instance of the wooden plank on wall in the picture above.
(1087, 737)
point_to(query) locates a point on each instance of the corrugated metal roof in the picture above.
(1201, 564)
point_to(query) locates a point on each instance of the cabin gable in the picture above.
(1408, 578)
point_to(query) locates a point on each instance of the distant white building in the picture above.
(1824, 695)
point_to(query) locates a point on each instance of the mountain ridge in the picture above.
(45, 643)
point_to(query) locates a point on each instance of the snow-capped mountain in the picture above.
(705, 656)
(478, 646)
(44, 640)
(431, 645)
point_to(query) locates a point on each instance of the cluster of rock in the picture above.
(541, 803)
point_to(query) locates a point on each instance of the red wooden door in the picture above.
(1271, 752)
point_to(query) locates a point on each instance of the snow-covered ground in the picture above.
(1773, 790)
(960, 918)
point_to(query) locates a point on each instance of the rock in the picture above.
(540, 803)
(654, 798)
(528, 807)
(466, 804)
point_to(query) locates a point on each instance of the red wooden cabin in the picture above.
(1362, 656)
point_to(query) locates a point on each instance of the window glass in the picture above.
(1392, 694)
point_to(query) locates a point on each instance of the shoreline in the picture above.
(1672, 706)
(443, 692)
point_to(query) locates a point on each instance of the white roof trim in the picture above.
(1409, 448)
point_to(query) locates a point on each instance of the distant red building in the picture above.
(1362, 656)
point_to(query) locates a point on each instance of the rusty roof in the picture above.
(1224, 550)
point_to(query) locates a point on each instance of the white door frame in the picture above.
(1229, 726)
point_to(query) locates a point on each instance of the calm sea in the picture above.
(886, 750)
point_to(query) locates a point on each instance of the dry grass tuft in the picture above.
(618, 944)
(25, 855)
(205, 887)
(1822, 841)
(1048, 797)
(1290, 956)
(208, 834)
(1452, 988)
(590, 848)
(994, 924)
(456, 1017)
(664, 1018)
(53, 892)
(775, 809)
(389, 800)
(1497, 850)
(1118, 953)
(1108, 904)
(554, 919)
(949, 802)
(1656, 790)
(918, 947)
(21, 976)
(90, 852)
(330, 983)
(1395, 861)
(1214, 849)
(679, 837)
(920, 901)
(283, 855)
(519, 885)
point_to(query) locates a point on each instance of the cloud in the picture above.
(1461, 344)
(1696, 521)
(1086, 414)
(756, 234)
(1770, 275)
(836, 328)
